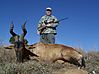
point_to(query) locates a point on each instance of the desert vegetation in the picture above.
(8, 64)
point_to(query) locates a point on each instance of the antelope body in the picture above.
(54, 52)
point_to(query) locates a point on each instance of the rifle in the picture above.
(53, 21)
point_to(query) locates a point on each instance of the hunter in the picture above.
(47, 27)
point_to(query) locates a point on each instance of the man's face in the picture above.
(48, 13)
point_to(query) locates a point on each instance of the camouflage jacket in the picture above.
(52, 28)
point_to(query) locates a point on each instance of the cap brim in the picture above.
(48, 10)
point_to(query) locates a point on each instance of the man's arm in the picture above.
(11, 30)
(41, 21)
(53, 23)
(40, 24)
(56, 23)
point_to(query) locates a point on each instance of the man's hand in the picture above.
(49, 25)
(43, 24)
(38, 32)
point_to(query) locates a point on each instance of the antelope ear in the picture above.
(9, 47)
(31, 47)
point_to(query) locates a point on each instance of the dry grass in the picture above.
(9, 66)
(92, 61)
(7, 55)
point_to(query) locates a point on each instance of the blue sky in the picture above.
(80, 30)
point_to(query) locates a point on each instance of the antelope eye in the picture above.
(34, 47)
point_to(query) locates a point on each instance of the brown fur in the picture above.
(25, 52)
(54, 52)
